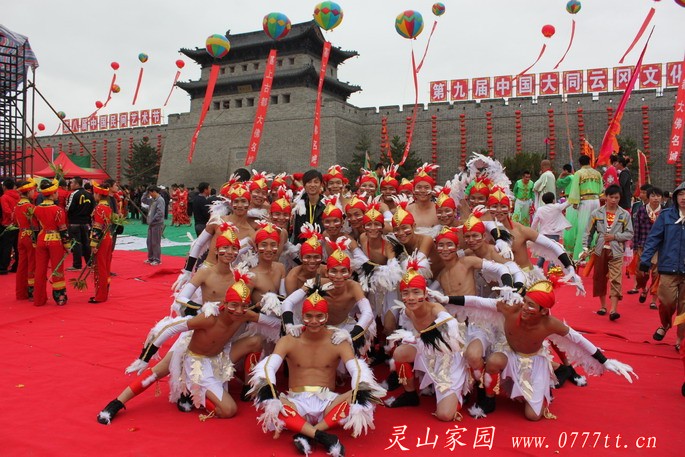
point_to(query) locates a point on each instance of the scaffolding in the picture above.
(16, 160)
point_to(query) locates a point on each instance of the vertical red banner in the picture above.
(213, 75)
(316, 135)
(676, 139)
(262, 107)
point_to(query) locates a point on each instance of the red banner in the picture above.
(262, 107)
(676, 141)
(598, 80)
(503, 86)
(213, 75)
(573, 82)
(438, 91)
(173, 86)
(650, 76)
(610, 143)
(622, 76)
(316, 135)
(459, 89)
(674, 74)
(525, 85)
(549, 83)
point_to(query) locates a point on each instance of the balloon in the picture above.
(142, 57)
(548, 30)
(61, 114)
(180, 64)
(438, 9)
(217, 46)
(409, 24)
(98, 104)
(41, 127)
(573, 6)
(115, 88)
(681, 3)
(276, 25)
(328, 15)
(114, 65)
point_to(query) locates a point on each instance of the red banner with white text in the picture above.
(316, 135)
(262, 107)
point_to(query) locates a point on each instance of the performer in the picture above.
(423, 208)
(585, 188)
(212, 283)
(259, 191)
(390, 187)
(311, 406)
(52, 246)
(524, 361)
(101, 243)
(26, 224)
(436, 352)
(311, 256)
(179, 208)
(613, 226)
(523, 199)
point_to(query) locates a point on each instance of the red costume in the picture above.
(50, 248)
(101, 239)
(23, 219)
(179, 208)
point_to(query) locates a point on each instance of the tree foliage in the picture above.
(526, 161)
(396, 150)
(142, 168)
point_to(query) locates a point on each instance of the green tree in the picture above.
(527, 161)
(142, 167)
(396, 149)
(358, 158)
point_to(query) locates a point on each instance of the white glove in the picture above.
(504, 249)
(294, 329)
(181, 281)
(509, 295)
(438, 296)
(341, 335)
(572, 278)
(620, 368)
(138, 366)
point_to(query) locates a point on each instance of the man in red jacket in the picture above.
(8, 236)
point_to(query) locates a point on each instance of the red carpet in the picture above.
(65, 364)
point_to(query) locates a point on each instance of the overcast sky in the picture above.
(76, 40)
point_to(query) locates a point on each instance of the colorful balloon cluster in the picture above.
(115, 88)
(276, 25)
(409, 24)
(328, 15)
(438, 9)
(142, 57)
(217, 46)
(61, 114)
(573, 6)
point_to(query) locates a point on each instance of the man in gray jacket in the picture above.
(155, 221)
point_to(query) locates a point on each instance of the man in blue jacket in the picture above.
(667, 237)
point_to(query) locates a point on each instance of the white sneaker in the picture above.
(148, 261)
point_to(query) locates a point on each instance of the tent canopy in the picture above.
(71, 169)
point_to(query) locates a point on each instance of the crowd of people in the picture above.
(437, 281)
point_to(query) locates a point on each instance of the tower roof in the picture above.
(303, 37)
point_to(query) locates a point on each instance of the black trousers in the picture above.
(81, 250)
(8, 242)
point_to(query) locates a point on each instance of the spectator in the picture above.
(8, 237)
(200, 207)
(625, 181)
(155, 221)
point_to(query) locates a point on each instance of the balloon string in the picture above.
(140, 79)
(410, 133)
(173, 86)
(213, 75)
(573, 32)
(542, 51)
(109, 94)
(435, 24)
(640, 32)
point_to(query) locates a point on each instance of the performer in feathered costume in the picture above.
(523, 359)
(432, 340)
(311, 256)
(259, 191)
(405, 240)
(389, 187)
(334, 181)
(311, 407)
(423, 208)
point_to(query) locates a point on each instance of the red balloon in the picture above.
(180, 64)
(41, 127)
(548, 30)
(98, 104)
(114, 65)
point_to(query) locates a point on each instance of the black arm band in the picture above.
(190, 263)
(148, 352)
(499, 234)
(520, 288)
(507, 280)
(599, 356)
(288, 317)
(565, 260)
(456, 300)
